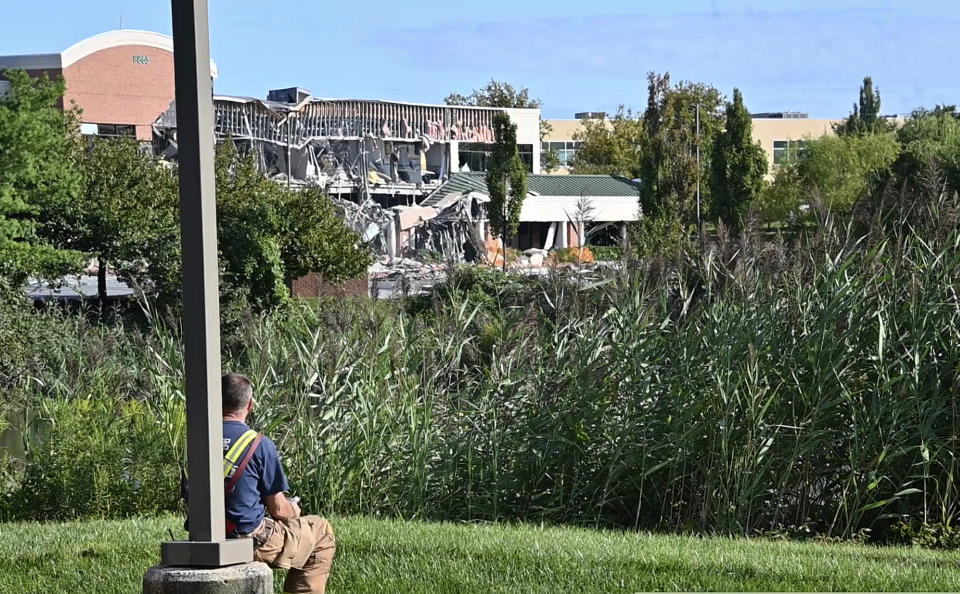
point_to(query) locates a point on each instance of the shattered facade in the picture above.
(378, 160)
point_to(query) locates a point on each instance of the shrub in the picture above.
(98, 457)
(572, 255)
(607, 253)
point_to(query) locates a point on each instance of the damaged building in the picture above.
(378, 160)
(559, 211)
(394, 153)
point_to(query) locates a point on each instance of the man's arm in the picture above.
(281, 508)
(273, 483)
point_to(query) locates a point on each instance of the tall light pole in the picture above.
(699, 220)
(208, 546)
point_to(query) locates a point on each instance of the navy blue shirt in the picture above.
(263, 476)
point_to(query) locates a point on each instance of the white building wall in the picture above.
(528, 131)
(548, 209)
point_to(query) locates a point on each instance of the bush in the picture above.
(98, 458)
(934, 536)
(572, 255)
(607, 253)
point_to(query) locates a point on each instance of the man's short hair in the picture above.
(237, 392)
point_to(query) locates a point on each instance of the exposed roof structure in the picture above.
(91, 45)
(313, 118)
(543, 185)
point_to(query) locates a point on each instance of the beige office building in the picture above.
(781, 134)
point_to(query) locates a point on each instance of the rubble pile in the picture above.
(391, 278)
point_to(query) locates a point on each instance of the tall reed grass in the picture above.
(751, 387)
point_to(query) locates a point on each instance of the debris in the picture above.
(377, 160)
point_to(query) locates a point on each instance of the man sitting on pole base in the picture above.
(254, 486)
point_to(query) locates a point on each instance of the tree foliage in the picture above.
(930, 140)
(841, 169)
(506, 180)
(783, 198)
(668, 163)
(39, 154)
(738, 165)
(609, 147)
(865, 118)
(127, 209)
(269, 235)
(500, 94)
(495, 94)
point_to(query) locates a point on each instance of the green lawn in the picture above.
(394, 556)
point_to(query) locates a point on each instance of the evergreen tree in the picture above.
(506, 182)
(865, 118)
(737, 167)
(668, 163)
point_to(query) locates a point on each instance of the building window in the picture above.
(109, 130)
(526, 153)
(476, 155)
(788, 151)
(565, 150)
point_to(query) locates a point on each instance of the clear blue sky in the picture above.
(576, 56)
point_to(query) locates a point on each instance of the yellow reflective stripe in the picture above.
(230, 461)
(238, 447)
(234, 453)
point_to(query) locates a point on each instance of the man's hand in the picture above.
(281, 508)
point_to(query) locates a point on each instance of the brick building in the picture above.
(122, 80)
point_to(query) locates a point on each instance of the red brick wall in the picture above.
(313, 285)
(112, 88)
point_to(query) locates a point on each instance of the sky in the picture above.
(575, 56)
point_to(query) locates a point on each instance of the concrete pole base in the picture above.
(246, 578)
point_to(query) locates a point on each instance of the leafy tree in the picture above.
(495, 94)
(865, 118)
(501, 94)
(841, 169)
(784, 195)
(609, 147)
(668, 164)
(738, 165)
(506, 182)
(39, 154)
(269, 234)
(127, 204)
(930, 140)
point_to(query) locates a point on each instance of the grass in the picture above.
(396, 556)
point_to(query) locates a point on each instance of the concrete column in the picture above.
(551, 237)
(391, 237)
(573, 238)
(249, 578)
(563, 235)
(454, 147)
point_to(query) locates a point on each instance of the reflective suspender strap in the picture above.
(233, 454)
(232, 483)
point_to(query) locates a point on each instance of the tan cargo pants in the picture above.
(305, 546)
